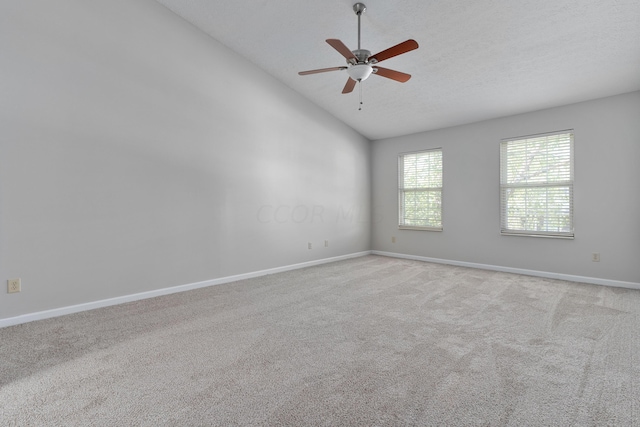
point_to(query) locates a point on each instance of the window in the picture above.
(420, 190)
(536, 185)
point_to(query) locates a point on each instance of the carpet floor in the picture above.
(370, 341)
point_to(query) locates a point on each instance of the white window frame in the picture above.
(403, 224)
(552, 186)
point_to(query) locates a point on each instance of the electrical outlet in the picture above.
(393, 239)
(595, 257)
(310, 245)
(326, 243)
(13, 286)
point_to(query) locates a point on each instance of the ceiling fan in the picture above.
(361, 64)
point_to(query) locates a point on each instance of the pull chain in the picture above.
(360, 106)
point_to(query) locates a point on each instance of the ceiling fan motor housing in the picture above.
(362, 55)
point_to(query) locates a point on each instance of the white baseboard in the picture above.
(25, 318)
(545, 274)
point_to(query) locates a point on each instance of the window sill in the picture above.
(408, 227)
(547, 236)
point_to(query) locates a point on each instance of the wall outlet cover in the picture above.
(14, 285)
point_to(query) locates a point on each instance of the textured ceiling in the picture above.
(477, 59)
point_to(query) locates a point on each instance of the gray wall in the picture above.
(606, 193)
(136, 153)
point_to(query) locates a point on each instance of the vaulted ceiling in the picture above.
(477, 59)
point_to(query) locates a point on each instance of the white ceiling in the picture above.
(477, 59)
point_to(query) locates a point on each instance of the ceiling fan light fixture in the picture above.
(359, 72)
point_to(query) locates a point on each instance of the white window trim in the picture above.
(401, 189)
(570, 183)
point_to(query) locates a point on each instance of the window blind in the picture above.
(420, 190)
(536, 185)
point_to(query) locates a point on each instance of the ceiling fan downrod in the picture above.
(359, 9)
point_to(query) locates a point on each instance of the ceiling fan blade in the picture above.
(321, 70)
(348, 88)
(392, 74)
(396, 50)
(344, 50)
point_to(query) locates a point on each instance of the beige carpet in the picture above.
(363, 342)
